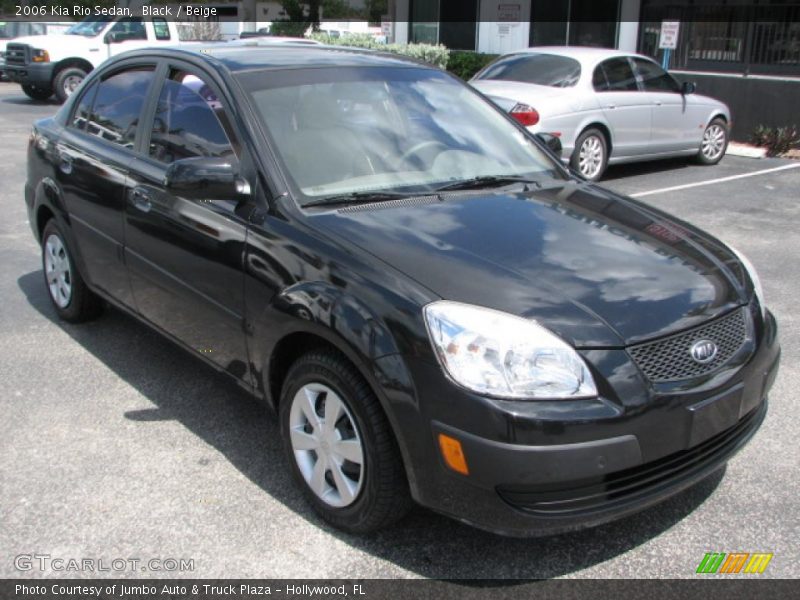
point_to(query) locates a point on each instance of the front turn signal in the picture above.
(453, 454)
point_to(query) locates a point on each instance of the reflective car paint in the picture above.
(599, 269)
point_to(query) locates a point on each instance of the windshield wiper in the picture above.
(487, 181)
(356, 198)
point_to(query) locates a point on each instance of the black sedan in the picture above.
(435, 308)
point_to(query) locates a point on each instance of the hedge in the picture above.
(436, 55)
(465, 64)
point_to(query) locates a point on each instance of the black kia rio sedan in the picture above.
(435, 308)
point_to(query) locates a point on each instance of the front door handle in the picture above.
(657, 102)
(611, 106)
(65, 164)
(141, 200)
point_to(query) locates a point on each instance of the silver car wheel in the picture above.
(57, 271)
(713, 141)
(590, 157)
(70, 83)
(327, 445)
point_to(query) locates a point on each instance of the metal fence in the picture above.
(757, 39)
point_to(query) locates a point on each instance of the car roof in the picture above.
(251, 54)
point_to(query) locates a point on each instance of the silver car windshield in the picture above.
(359, 130)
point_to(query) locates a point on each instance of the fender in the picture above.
(47, 195)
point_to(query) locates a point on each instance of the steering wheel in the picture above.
(417, 148)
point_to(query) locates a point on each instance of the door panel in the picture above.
(186, 256)
(95, 152)
(672, 122)
(626, 109)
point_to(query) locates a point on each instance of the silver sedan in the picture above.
(607, 106)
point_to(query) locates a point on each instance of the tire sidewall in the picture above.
(575, 159)
(308, 371)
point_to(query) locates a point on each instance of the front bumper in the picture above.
(39, 75)
(537, 469)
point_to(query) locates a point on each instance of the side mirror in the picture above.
(552, 142)
(204, 178)
(688, 87)
(112, 37)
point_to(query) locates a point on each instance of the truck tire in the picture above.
(66, 81)
(35, 93)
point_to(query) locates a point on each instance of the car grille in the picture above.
(17, 54)
(618, 489)
(670, 358)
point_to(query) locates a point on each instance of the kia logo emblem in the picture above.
(703, 351)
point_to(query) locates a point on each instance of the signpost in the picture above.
(668, 40)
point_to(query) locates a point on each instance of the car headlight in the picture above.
(498, 354)
(751, 272)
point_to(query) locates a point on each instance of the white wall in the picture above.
(629, 25)
(498, 37)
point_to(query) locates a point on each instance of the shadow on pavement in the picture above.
(212, 407)
(646, 168)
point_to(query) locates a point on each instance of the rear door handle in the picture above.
(657, 102)
(141, 200)
(611, 106)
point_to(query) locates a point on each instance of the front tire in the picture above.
(66, 81)
(590, 156)
(71, 297)
(714, 143)
(36, 93)
(339, 445)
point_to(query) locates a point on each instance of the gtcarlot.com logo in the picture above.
(58, 564)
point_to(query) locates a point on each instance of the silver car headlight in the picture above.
(498, 354)
(751, 272)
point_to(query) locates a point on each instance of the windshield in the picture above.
(89, 27)
(541, 69)
(357, 130)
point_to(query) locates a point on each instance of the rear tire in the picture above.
(350, 471)
(66, 81)
(71, 297)
(714, 143)
(36, 93)
(590, 156)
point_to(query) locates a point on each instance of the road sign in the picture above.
(669, 35)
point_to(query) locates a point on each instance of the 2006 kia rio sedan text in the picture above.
(435, 308)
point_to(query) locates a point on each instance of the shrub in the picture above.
(435, 55)
(465, 64)
(777, 140)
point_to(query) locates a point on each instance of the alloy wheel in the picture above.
(70, 83)
(327, 445)
(58, 271)
(713, 141)
(590, 157)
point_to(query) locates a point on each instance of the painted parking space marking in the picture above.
(713, 181)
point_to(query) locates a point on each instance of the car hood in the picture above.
(598, 269)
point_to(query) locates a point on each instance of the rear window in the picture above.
(542, 69)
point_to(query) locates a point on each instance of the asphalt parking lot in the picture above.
(115, 444)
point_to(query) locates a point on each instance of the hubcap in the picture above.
(71, 82)
(57, 271)
(713, 142)
(326, 444)
(591, 156)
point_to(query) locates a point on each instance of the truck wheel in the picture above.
(66, 81)
(35, 93)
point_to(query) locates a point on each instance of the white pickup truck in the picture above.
(56, 64)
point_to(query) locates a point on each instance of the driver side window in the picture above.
(654, 78)
(129, 28)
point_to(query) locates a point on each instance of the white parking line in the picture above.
(719, 180)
